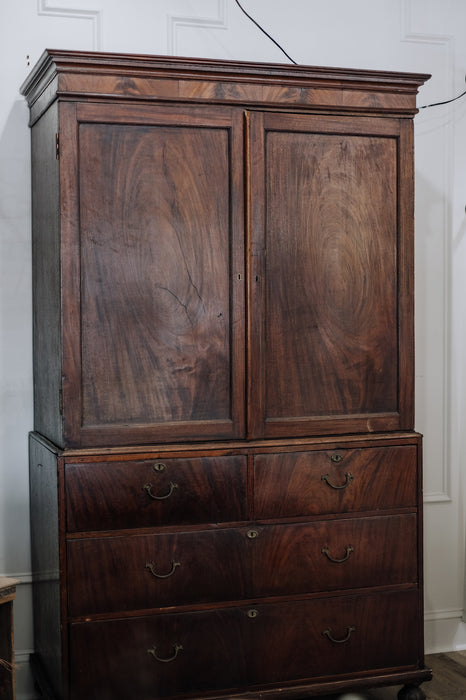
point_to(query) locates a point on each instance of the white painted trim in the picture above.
(447, 614)
(22, 655)
(23, 577)
(94, 16)
(175, 22)
(446, 40)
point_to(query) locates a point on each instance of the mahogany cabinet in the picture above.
(226, 489)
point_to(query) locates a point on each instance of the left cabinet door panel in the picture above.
(153, 306)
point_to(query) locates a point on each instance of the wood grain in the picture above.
(291, 484)
(111, 495)
(330, 304)
(155, 244)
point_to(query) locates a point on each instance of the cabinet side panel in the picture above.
(46, 277)
(45, 561)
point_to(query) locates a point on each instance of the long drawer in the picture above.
(334, 481)
(146, 493)
(109, 574)
(171, 654)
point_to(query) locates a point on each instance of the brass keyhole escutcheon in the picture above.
(252, 534)
(158, 467)
(336, 458)
(253, 613)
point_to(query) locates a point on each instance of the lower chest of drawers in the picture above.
(192, 575)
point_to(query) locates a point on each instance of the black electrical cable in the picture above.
(434, 104)
(446, 102)
(266, 33)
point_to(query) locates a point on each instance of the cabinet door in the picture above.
(152, 240)
(331, 318)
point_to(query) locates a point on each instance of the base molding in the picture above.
(444, 631)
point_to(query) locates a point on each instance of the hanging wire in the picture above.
(434, 104)
(266, 33)
(446, 102)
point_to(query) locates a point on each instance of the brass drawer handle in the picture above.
(348, 550)
(151, 566)
(348, 476)
(153, 652)
(148, 489)
(328, 633)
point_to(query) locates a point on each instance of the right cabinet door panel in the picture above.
(331, 258)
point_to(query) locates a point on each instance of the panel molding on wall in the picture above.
(174, 23)
(47, 9)
(423, 126)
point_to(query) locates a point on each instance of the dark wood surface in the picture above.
(129, 494)
(160, 260)
(329, 327)
(354, 480)
(271, 643)
(225, 274)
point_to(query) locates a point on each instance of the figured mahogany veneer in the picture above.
(225, 483)
(117, 495)
(232, 648)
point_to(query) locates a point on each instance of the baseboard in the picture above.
(444, 631)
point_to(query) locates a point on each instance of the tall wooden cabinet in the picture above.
(225, 482)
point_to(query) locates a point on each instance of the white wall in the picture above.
(412, 35)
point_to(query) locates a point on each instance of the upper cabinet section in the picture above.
(221, 250)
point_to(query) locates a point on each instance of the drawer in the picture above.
(127, 494)
(335, 481)
(194, 653)
(330, 555)
(110, 574)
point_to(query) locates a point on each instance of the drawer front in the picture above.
(335, 636)
(110, 574)
(193, 653)
(129, 494)
(157, 656)
(335, 481)
(342, 554)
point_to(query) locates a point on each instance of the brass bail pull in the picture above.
(328, 633)
(348, 479)
(151, 566)
(148, 489)
(153, 652)
(348, 550)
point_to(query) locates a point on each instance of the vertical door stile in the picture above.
(255, 244)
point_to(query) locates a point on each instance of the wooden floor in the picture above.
(448, 683)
